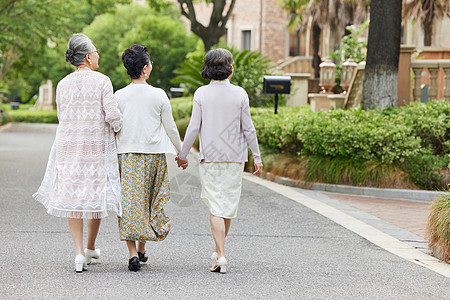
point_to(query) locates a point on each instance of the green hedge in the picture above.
(414, 138)
(181, 107)
(34, 116)
(4, 117)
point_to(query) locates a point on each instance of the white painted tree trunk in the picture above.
(383, 51)
(380, 89)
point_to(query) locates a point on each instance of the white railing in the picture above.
(439, 78)
(297, 64)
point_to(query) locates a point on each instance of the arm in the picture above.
(169, 123)
(250, 134)
(249, 130)
(112, 113)
(57, 103)
(192, 130)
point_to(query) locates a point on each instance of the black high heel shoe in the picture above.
(142, 257)
(133, 264)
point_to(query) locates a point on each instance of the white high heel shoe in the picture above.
(90, 254)
(213, 258)
(220, 266)
(80, 263)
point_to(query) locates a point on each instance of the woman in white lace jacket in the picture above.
(82, 176)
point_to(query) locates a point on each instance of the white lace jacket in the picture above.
(82, 176)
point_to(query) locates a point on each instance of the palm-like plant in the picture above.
(425, 11)
(337, 14)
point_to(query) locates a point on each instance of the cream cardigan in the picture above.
(148, 125)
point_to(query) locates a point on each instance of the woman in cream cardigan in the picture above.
(221, 118)
(148, 132)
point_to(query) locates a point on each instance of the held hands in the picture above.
(258, 169)
(180, 162)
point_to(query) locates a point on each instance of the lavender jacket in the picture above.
(221, 118)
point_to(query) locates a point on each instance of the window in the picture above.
(294, 44)
(246, 39)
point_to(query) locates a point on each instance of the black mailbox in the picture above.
(176, 92)
(277, 85)
(14, 105)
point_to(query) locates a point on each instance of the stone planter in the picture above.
(325, 102)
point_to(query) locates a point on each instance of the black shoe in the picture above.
(133, 264)
(142, 257)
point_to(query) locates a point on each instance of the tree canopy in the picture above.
(167, 40)
(30, 28)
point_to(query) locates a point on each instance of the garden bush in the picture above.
(34, 116)
(415, 138)
(412, 140)
(181, 108)
(358, 135)
(4, 117)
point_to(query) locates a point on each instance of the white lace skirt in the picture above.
(221, 187)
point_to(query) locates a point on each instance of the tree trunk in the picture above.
(428, 32)
(316, 44)
(428, 27)
(383, 51)
(216, 29)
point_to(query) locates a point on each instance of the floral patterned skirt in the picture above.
(145, 190)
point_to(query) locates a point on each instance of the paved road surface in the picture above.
(277, 249)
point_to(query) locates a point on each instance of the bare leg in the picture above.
(218, 231)
(227, 228)
(141, 247)
(132, 248)
(76, 229)
(92, 231)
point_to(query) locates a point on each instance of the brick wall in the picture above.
(275, 39)
(264, 18)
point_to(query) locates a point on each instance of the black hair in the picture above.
(134, 59)
(217, 64)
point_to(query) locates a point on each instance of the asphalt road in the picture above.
(277, 248)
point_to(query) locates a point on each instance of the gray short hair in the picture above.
(217, 64)
(77, 48)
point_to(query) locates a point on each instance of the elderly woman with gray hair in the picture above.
(82, 176)
(221, 118)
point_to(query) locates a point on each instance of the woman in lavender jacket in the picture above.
(221, 118)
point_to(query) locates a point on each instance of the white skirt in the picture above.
(221, 187)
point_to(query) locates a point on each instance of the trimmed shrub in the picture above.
(34, 116)
(426, 168)
(358, 135)
(4, 117)
(181, 108)
(355, 147)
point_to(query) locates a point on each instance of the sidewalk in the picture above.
(409, 215)
(397, 212)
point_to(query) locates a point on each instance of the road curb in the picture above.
(29, 127)
(401, 194)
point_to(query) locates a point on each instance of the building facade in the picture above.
(255, 25)
(262, 25)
